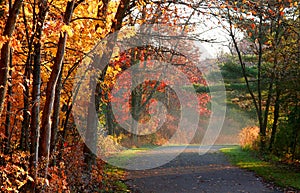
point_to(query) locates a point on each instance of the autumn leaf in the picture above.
(67, 28)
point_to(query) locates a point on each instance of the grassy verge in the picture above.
(113, 180)
(115, 176)
(125, 156)
(279, 174)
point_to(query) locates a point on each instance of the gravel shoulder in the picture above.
(194, 173)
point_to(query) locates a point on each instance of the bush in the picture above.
(287, 141)
(249, 138)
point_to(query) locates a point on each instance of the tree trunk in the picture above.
(90, 145)
(276, 117)
(257, 101)
(8, 107)
(35, 111)
(56, 110)
(51, 85)
(36, 91)
(26, 116)
(91, 130)
(5, 50)
(110, 119)
(136, 97)
(26, 93)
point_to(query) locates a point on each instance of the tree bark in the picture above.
(8, 107)
(56, 110)
(26, 116)
(258, 101)
(36, 90)
(90, 145)
(276, 117)
(110, 122)
(262, 126)
(26, 93)
(5, 50)
(35, 111)
(51, 85)
(91, 130)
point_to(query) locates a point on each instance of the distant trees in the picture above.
(272, 28)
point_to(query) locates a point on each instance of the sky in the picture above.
(209, 28)
(214, 31)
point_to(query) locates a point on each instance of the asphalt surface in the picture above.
(193, 173)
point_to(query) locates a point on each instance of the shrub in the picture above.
(249, 137)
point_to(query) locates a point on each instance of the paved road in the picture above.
(193, 173)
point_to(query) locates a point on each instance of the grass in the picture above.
(125, 156)
(115, 175)
(280, 175)
(113, 180)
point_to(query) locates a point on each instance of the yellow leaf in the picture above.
(21, 184)
(90, 8)
(99, 30)
(68, 29)
(27, 11)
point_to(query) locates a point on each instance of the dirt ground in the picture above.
(194, 173)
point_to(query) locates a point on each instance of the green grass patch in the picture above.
(113, 180)
(114, 175)
(124, 157)
(281, 175)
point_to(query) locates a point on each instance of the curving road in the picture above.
(193, 173)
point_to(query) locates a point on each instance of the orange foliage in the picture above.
(249, 137)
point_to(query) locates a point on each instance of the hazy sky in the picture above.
(213, 49)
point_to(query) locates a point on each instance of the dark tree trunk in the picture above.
(26, 92)
(51, 85)
(26, 116)
(135, 111)
(35, 110)
(276, 117)
(36, 90)
(5, 50)
(55, 117)
(90, 145)
(91, 131)
(110, 123)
